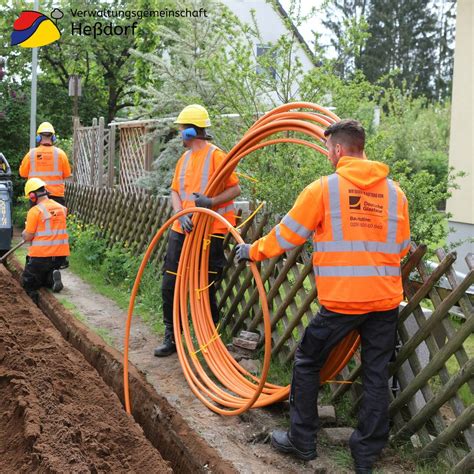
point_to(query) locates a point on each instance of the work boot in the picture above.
(362, 470)
(168, 347)
(282, 442)
(57, 283)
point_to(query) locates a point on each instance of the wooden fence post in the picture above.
(111, 166)
(100, 153)
(75, 126)
(93, 151)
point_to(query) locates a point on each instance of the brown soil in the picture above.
(191, 437)
(56, 413)
(243, 441)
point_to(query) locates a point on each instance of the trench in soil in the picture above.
(25, 414)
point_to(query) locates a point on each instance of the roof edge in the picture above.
(283, 13)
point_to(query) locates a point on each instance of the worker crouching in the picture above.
(46, 230)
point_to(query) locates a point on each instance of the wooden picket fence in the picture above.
(93, 150)
(136, 154)
(103, 158)
(433, 375)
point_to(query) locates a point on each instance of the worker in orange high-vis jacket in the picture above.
(47, 162)
(46, 230)
(192, 173)
(358, 220)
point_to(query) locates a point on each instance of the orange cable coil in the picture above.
(232, 389)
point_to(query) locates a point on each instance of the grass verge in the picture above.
(105, 334)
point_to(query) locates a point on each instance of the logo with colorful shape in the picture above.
(33, 29)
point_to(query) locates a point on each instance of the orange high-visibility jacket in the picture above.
(361, 231)
(48, 163)
(192, 174)
(47, 221)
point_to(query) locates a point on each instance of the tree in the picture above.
(402, 40)
(103, 62)
(213, 61)
(445, 52)
(346, 19)
(14, 124)
(148, 40)
(407, 41)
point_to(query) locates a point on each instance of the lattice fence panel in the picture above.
(132, 157)
(91, 152)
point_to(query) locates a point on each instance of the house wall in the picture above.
(271, 27)
(461, 148)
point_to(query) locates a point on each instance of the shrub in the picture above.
(84, 240)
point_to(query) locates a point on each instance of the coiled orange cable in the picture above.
(231, 390)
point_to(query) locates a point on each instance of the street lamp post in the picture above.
(34, 67)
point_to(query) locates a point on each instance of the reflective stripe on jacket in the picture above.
(50, 238)
(360, 233)
(46, 164)
(192, 175)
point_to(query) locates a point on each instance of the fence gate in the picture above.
(93, 154)
(136, 154)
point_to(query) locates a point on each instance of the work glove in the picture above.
(242, 253)
(202, 200)
(186, 223)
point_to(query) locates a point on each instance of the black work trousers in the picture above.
(38, 272)
(377, 331)
(59, 199)
(217, 262)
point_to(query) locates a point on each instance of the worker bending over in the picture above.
(192, 173)
(358, 219)
(46, 230)
(48, 163)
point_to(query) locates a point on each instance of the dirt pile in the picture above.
(56, 413)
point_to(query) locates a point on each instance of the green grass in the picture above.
(344, 409)
(408, 455)
(453, 368)
(279, 373)
(73, 309)
(431, 468)
(402, 456)
(94, 277)
(341, 457)
(20, 209)
(20, 253)
(105, 334)
(145, 309)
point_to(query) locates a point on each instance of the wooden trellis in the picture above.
(94, 153)
(91, 154)
(427, 405)
(135, 154)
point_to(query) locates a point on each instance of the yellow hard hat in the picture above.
(45, 127)
(32, 185)
(194, 114)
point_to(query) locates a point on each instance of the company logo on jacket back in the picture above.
(366, 201)
(366, 206)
